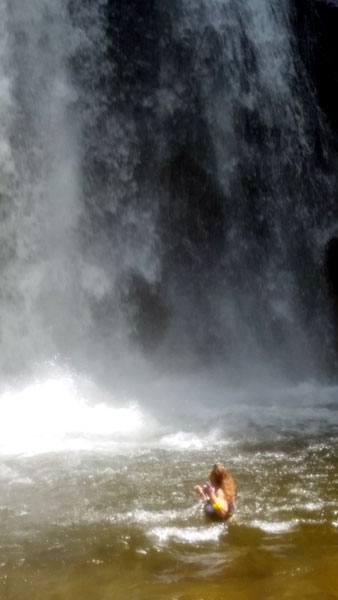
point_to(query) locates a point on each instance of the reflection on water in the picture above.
(108, 524)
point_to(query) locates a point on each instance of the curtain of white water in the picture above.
(82, 218)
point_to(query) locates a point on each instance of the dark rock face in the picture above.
(331, 266)
(316, 23)
(331, 274)
(147, 311)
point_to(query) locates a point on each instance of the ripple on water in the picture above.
(161, 516)
(275, 526)
(187, 535)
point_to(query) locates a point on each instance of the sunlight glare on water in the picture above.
(54, 415)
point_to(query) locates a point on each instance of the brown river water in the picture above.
(121, 520)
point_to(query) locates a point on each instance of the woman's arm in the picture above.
(218, 502)
(200, 491)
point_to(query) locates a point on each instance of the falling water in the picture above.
(161, 237)
(160, 198)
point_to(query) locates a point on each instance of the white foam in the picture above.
(275, 526)
(312, 506)
(147, 516)
(53, 415)
(188, 535)
(183, 440)
(59, 410)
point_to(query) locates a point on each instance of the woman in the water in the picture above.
(219, 494)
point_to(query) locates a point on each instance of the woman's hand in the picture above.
(199, 490)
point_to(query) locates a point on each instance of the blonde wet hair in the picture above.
(221, 477)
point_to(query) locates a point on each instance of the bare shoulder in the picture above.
(220, 494)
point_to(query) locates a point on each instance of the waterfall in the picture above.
(162, 168)
(41, 196)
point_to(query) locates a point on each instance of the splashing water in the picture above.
(52, 415)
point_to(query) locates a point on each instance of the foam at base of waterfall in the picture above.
(53, 415)
(59, 410)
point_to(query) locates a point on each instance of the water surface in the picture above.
(122, 520)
